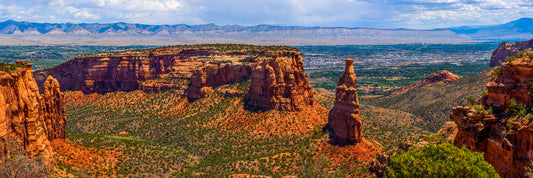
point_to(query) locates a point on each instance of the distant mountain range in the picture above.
(24, 33)
(518, 30)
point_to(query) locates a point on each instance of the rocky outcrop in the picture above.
(512, 81)
(448, 131)
(27, 118)
(344, 120)
(53, 114)
(280, 83)
(128, 72)
(438, 78)
(206, 77)
(508, 149)
(275, 74)
(506, 141)
(507, 49)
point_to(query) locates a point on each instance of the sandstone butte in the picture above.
(275, 74)
(438, 78)
(27, 118)
(344, 120)
(507, 143)
(507, 49)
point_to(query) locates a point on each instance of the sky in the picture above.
(413, 14)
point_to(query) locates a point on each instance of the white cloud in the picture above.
(350, 13)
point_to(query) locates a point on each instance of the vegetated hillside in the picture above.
(433, 104)
(163, 134)
(388, 127)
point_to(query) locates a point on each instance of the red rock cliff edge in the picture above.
(26, 117)
(275, 74)
(507, 142)
(507, 49)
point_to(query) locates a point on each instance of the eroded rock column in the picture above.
(344, 120)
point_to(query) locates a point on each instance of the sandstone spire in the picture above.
(344, 120)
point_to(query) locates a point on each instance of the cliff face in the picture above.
(507, 49)
(206, 77)
(26, 117)
(507, 142)
(53, 114)
(102, 74)
(513, 81)
(507, 149)
(280, 83)
(275, 74)
(344, 119)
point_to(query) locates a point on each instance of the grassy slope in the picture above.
(386, 126)
(167, 135)
(433, 104)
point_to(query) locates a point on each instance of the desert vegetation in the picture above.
(442, 160)
(9, 68)
(17, 163)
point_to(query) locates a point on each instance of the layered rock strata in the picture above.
(206, 77)
(506, 141)
(344, 120)
(275, 74)
(508, 149)
(513, 81)
(280, 83)
(27, 118)
(507, 49)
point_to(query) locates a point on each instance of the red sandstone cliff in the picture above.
(25, 116)
(206, 77)
(513, 81)
(507, 49)
(280, 83)
(507, 142)
(276, 76)
(344, 119)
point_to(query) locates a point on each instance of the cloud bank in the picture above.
(417, 14)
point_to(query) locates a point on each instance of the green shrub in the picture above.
(9, 67)
(496, 71)
(510, 59)
(515, 109)
(443, 160)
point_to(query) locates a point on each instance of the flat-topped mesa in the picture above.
(275, 74)
(513, 81)
(508, 49)
(344, 120)
(280, 83)
(27, 118)
(150, 70)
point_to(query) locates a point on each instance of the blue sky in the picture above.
(415, 14)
